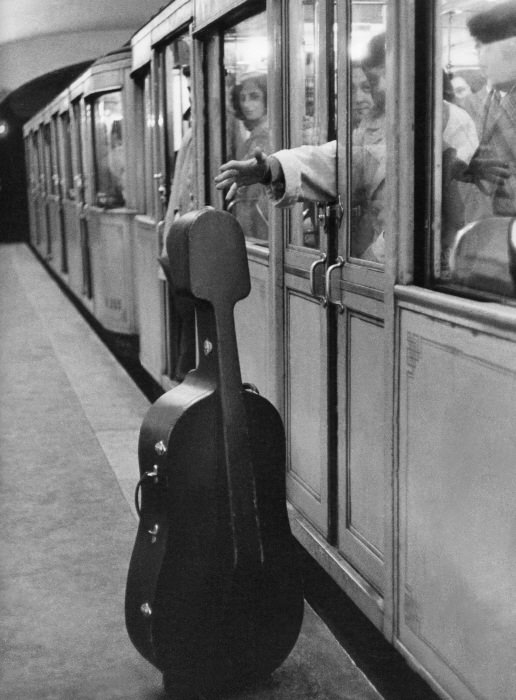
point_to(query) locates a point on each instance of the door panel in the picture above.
(358, 290)
(306, 403)
(360, 401)
(305, 319)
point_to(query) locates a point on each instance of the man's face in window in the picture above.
(497, 62)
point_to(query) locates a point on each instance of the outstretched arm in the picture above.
(236, 173)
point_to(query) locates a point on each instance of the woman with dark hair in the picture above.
(249, 102)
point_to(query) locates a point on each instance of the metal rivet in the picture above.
(154, 529)
(207, 346)
(146, 609)
(160, 448)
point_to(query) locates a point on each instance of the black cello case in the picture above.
(214, 597)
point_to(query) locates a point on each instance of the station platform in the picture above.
(69, 422)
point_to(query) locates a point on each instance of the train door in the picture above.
(66, 181)
(47, 185)
(84, 254)
(357, 292)
(334, 289)
(147, 246)
(308, 245)
(55, 198)
(174, 179)
(36, 187)
(236, 81)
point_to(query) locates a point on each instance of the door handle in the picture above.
(313, 267)
(327, 289)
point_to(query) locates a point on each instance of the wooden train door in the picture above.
(174, 175)
(308, 244)
(333, 305)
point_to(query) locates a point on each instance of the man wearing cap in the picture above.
(493, 168)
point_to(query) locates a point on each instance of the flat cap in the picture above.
(495, 24)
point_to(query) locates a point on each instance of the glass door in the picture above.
(174, 178)
(355, 287)
(334, 285)
(309, 322)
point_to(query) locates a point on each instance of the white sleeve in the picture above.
(310, 172)
(460, 133)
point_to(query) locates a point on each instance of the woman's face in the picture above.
(252, 101)
(361, 100)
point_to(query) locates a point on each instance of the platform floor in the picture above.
(69, 421)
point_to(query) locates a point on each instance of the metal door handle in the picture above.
(331, 268)
(313, 267)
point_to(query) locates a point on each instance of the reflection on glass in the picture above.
(309, 105)
(148, 129)
(67, 155)
(109, 150)
(247, 126)
(478, 168)
(48, 158)
(77, 131)
(369, 85)
(179, 126)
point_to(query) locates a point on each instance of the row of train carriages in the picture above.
(395, 379)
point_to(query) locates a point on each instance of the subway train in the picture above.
(381, 320)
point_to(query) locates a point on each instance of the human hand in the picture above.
(484, 167)
(237, 173)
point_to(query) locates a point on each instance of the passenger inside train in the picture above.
(479, 170)
(487, 187)
(249, 106)
(308, 172)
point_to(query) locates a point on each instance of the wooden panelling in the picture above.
(73, 240)
(252, 326)
(149, 297)
(306, 409)
(361, 439)
(457, 508)
(112, 261)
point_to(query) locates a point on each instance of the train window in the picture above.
(54, 149)
(247, 124)
(474, 246)
(66, 141)
(47, 155)
(77, 151)
(109, 150)
(179, 150)
(308, 97)
(368, 93)
(146, 143)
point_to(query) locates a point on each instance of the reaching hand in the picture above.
(236, 173)
(484, 167)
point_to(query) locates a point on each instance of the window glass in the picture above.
(369, 88)
(247, 125)
(309, 103)
(77, 151)
(109, 150)
(178, 135)
(475, 147)
(66, 141)
(47, 151)
(146, 144)
(55, 156)
(35, 166)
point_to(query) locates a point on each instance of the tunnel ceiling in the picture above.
(26, 19)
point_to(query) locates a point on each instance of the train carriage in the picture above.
(79, 149)
(382, 316)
